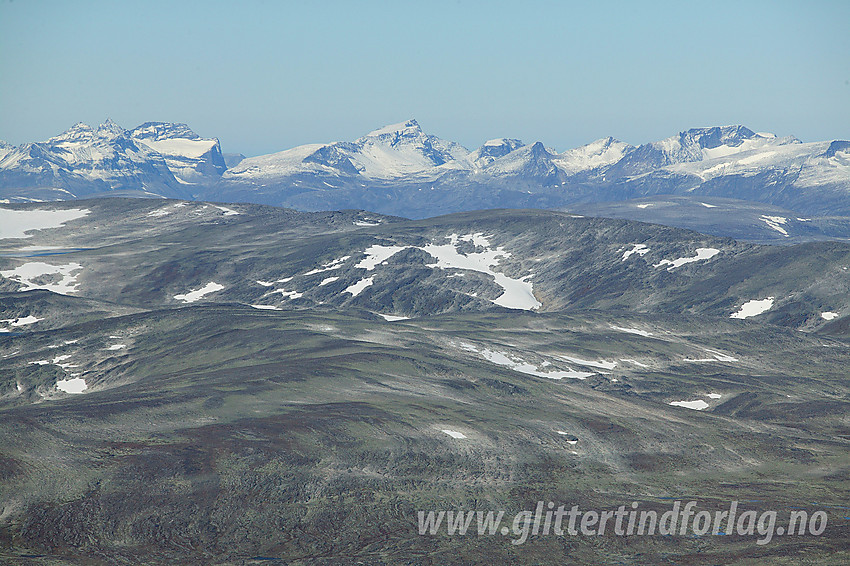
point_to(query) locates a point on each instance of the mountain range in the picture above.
(401, 170)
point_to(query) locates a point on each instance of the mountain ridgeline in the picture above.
(402, 170)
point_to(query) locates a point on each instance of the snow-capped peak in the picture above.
(163, 130)
(109, 129)
(401, 149)
(83, 133)
(78, 132)
(409, 128)
(190, 157)
(499, 142)
(602, 152)
(716, 136)
(493, 150)
(529, 161)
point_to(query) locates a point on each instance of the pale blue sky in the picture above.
(264, 75)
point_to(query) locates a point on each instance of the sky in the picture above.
(263, 76)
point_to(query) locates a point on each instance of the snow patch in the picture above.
(697, 405)
(73, 386)
(518, 364)
(774, 222)
(377, 254)
(288, 294)
(824, 315)
(32, 275)
(22, 321)
(330, 266)
(193, 296)
(717, 357)
(601, 364)
(393, 317)
(227, 211)
(753, 308)
(637, 331)
(453, 433)
(266, 307)
(358, 287)
(564, 433)
(702, 254)
(639, 249)
(16, 223)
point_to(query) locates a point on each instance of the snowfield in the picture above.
(74, 386)
(16, 223)
(60, 279)
(518, 293)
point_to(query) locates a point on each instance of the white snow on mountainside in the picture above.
(190, 157)
(597, 154)
(404, 152)
(400, 169)
(155, 158)
(390, 152)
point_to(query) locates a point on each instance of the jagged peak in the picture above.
(537, 149)
(78, 132)
(79, 127)
(109, 129)
(163, 130)
(715, 136)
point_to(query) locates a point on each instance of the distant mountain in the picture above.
(739, 219)
(400, 169)
(154, 159)
(191, 158)
(398, 151)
